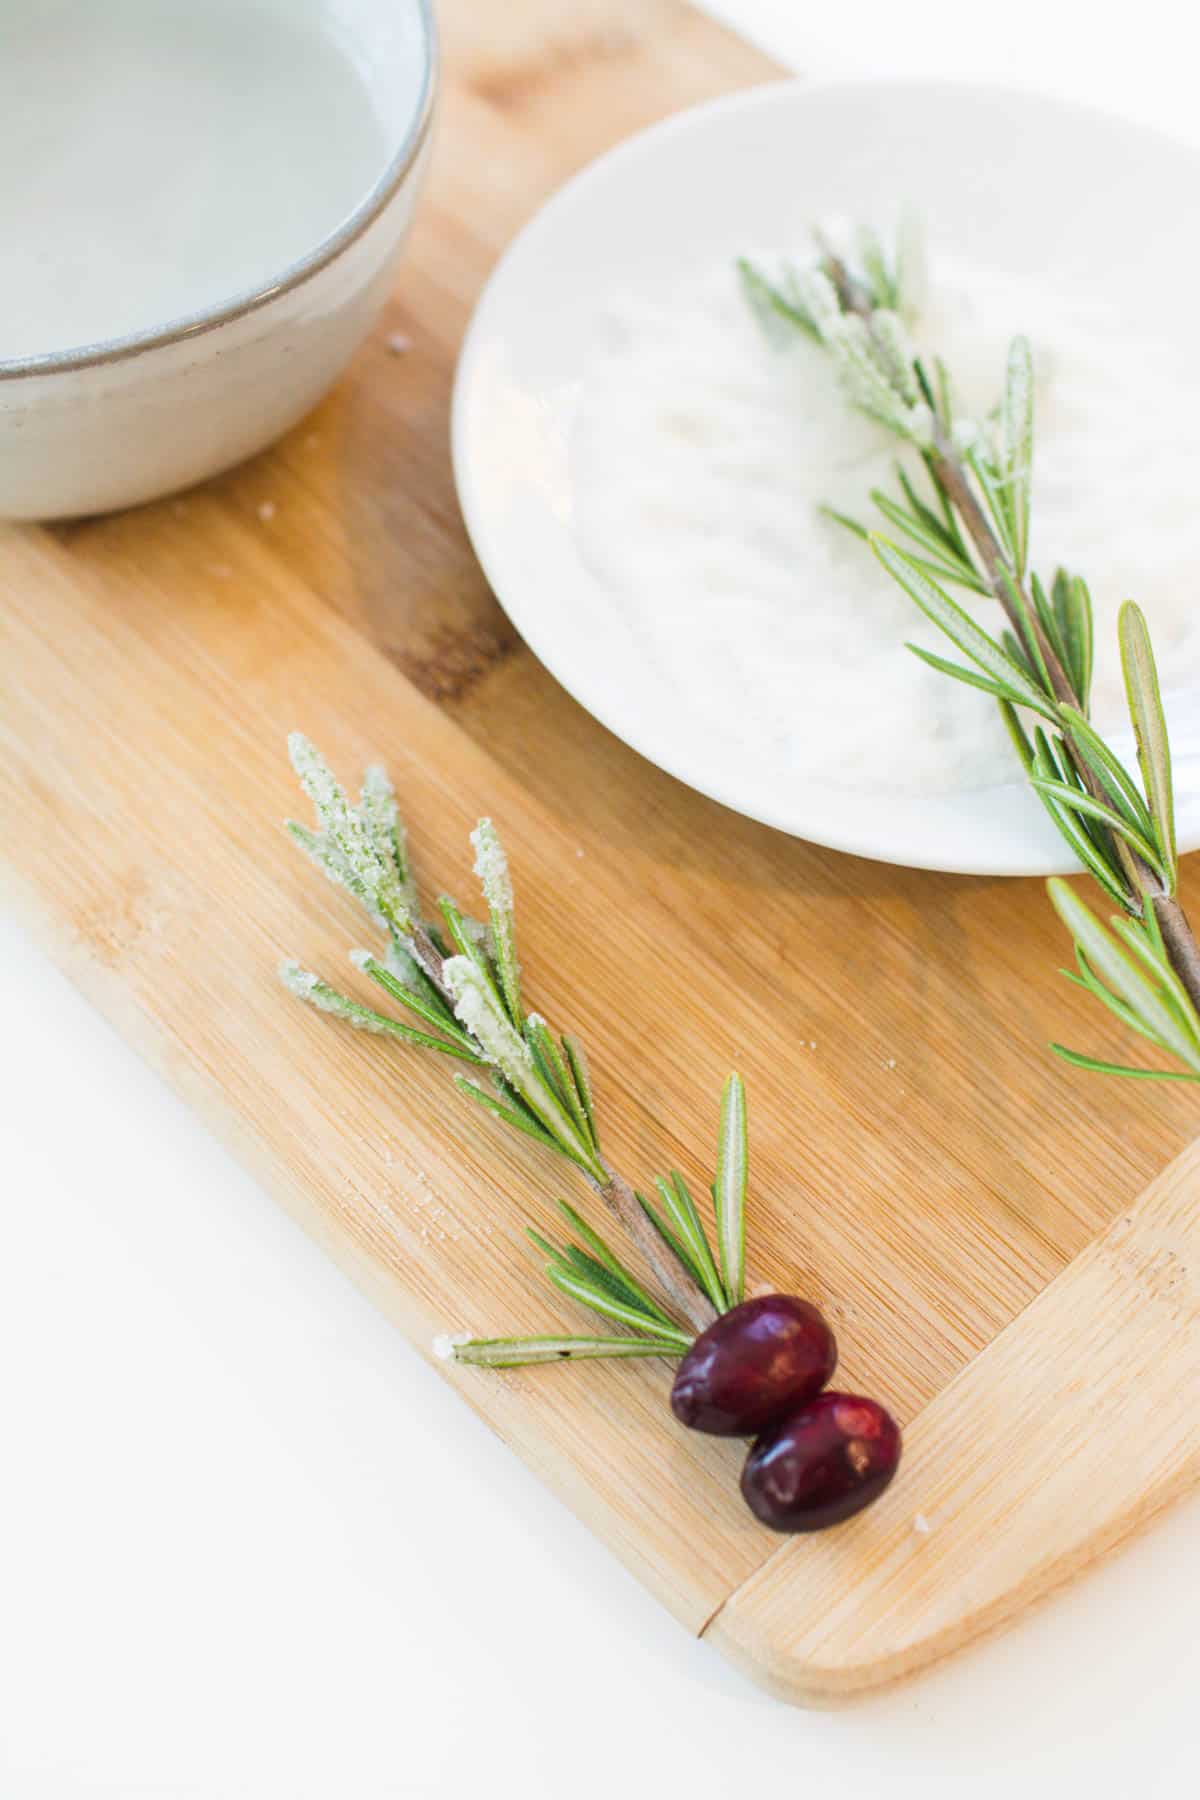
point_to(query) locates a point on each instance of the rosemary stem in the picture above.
(851, 293)
(675, 1282)
(425, 954)
(1179, 940)
(947, 469)
(616, 1192)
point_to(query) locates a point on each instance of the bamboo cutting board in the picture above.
(966, 1210)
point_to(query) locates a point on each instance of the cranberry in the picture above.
(758, 1361)
(821, 1464)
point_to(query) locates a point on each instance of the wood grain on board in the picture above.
(1072, 1428)
(919, 1165)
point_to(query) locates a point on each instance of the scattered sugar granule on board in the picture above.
(921, 1525)
(445, 1344)
(399, 344)
(266, 511)
(890, 1063)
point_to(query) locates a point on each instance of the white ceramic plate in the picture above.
(1031, 184)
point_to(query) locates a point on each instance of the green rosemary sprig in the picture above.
(972, 532)
(461, 980)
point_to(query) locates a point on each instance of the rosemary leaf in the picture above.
(1073, 609)
(351, 854)
(959, 627)
(481, 1011)
(680, 1209)
(1148, 949)
(1150, 730)
(868, 384)
(992, 485)
(892, 349)
(1027, 620)
(1107, 768)
(310, 988)
(1096, 857)
(1089, 855)
(466, 941)
(1091, 984)
(947, 402)
(1016, 730)
(604, 1255)
(507, 1114)
(508, 1094)
(1014, 647)
(575, 1261)
(972, 677)
(403, 967)
(1079, 1061)
(555, 1072)
(731, 1189)
(437, 1016)
(491, 866)
(674, 1244)
(599, 1298)
(844, 519)
(1018, 446)
(938, 551)
(512, 1353)
(581, 1079)
(1048, 619)
(381, 816)
(1084, 803)
(943, 523)
(778, 313)
(1119, 973)
(882, 284)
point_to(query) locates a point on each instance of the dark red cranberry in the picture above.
(821, 1464)
(755, 1363)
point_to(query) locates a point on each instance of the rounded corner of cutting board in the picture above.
(1009, 1484)
(794, 1626)
(823, 1665)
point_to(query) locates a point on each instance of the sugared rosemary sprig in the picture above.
(972, 532)
(458, 982)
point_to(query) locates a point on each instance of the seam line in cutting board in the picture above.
(788, 1543)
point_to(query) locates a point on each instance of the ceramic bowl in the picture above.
(117, 422)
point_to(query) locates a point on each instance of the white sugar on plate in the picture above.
(701, 455)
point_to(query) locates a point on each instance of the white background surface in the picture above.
(249, 1545)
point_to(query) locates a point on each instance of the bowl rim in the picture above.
(189, 325)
